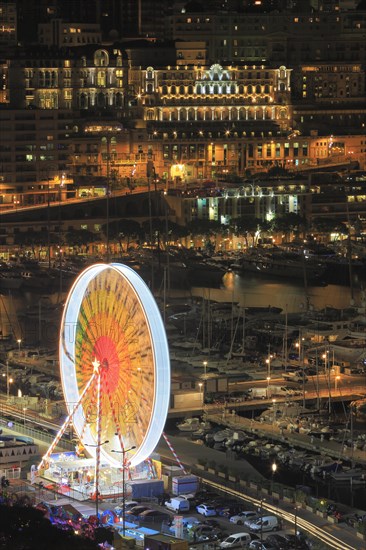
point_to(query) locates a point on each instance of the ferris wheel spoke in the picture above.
(88, 411)
(99, 428)
(67, 422)
(114, 416)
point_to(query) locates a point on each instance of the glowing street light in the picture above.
(274, 470)
(19, 342)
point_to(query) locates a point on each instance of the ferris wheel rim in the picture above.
(160, 353)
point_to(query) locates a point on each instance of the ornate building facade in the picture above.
(108, 118)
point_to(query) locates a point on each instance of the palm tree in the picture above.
(289, 223)
(326, 226)
(247, 226)
(124, 228)
(206, 228)
(78, 238)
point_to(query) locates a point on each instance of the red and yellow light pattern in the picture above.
(111, 329)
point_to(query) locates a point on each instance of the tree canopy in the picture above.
(289, 223)
(329, 225)
(25, 527)
(123, 229)
(250, 226)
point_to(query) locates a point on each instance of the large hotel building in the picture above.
(226, 97)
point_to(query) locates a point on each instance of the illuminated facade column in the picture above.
(246, 113)
(195, 113)
(212, 113)
(273, 113)
(229, 109)
(264, 113)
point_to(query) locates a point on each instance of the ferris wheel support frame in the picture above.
(66, 423)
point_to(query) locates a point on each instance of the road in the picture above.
(339, 537)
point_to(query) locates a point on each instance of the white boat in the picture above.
(349, 349)
(189, 425)
(223, 435)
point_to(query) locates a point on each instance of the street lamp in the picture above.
(274, 414)
(123, 453)
(24, 411)
(268, 381)
(201, 392)
(19, 342)
(8, 381)
(96, 481)
(268, 362)
(295, 527)
(261, 513)
(205, 368)
(274, 470)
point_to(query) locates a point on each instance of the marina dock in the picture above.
(330, 448)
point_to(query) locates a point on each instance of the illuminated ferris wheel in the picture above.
(114, 363)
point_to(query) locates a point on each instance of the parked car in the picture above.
(131, 503)
(295, 542)
(228, 511)
(258, 545)
(178, 504)
(206, 510)
(277, 541)
(265, 523)
(204, 495)
(153, 515)
(192, 499)
(241, 517)
(212, 522)
(203, 533)
(249, 521)
(135, 511)
(236, 540)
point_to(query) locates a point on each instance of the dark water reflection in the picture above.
(246, 290)
(258, 291)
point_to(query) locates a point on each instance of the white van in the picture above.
(178, 504)
(241, 540)
(265, 523)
